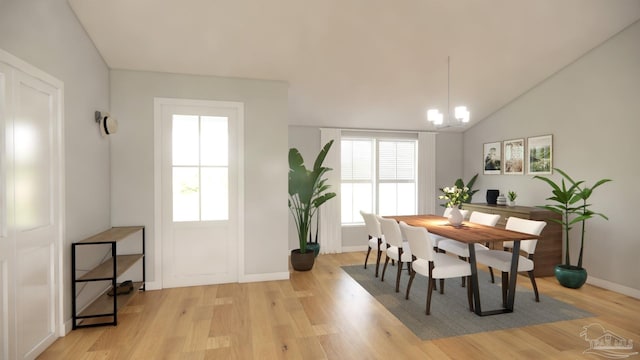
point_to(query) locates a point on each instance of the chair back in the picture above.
(372, 224)
(482, 218)
(391, 231)
(533, 227)
(419, 240)
(447, 212)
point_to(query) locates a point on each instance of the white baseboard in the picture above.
(153, 285)
(625, 290)
(354, 248)
(264, 277)
(66, 327)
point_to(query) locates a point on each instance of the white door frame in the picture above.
(157, 184)
(58, 243)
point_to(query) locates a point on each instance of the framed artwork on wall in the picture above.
(513, 151)
(492, 156)
(540, 154)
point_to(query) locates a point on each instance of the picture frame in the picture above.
(492, 158)
(540, 155)
(513, 154)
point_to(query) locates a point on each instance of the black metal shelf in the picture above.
(104, 309)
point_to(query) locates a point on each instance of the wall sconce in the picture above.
(107, 123)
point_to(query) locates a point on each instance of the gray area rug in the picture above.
(450, 315)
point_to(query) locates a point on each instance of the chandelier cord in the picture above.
(448, 87)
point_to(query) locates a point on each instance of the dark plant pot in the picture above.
(570, 276)
(315, 247)
(302, 262)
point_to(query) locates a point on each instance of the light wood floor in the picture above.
(324, 314)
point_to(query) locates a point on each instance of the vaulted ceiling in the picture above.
(360, 63)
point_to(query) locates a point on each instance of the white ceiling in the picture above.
(360, 63)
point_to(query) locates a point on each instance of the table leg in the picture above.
(511, 291)
(513, 275)
(474, 280)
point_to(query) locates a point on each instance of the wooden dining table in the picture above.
(471, 233)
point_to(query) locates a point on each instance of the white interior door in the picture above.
(30, 224)
(200, 176)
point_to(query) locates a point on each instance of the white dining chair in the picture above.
(432, 264)
(397, 249)
(376, 239)
(501, 260)
(462, 249)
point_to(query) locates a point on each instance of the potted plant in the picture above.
(307, 192)
(571, 203)
(512, 195)
(459, 184)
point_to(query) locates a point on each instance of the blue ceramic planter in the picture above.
(570, 276)
(315, 247)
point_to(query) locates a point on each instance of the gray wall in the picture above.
(592, 108)
(46, 34)
(265, 129)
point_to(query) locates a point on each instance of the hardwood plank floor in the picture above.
(324, 314)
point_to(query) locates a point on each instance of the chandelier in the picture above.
(460, 113)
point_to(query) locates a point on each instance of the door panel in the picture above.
(30, 184)
(35, 230)
(199, 192)
(32, 154)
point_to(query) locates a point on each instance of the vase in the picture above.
(512, 203)
(492, 196)
(455, 217)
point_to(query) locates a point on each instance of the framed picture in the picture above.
(540, 153)
(513, 151)
(492, 153)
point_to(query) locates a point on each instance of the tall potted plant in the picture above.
(308, 190)
(571, 203)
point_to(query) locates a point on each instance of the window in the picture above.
(200, 168)
(378, 175)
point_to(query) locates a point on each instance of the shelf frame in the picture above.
(105, 306)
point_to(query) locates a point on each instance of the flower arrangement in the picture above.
(455, 195)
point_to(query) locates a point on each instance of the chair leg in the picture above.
(533, 283)
(505, 286)
(493, 280)
(384, 269)
(462, 278)
(470, 293)
(398, 276)
(441, 286)
(413, 275)
(367, 257)
(429, 292)
(378, 261)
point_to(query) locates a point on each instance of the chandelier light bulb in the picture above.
(435, 116)
(462, 114)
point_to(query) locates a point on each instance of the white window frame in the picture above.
(375, 181)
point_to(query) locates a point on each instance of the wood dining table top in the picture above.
(468, 232)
